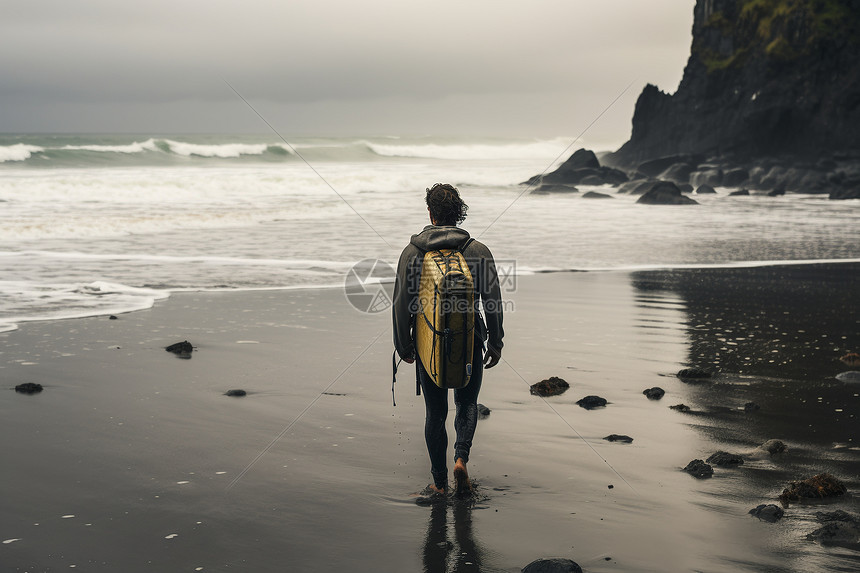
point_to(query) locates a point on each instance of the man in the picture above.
(446, 210)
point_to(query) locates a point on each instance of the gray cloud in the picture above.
(321, 59)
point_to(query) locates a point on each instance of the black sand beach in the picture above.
(132, 459)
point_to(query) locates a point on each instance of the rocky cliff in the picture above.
(765, 79)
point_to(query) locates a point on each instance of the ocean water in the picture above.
(107, 224)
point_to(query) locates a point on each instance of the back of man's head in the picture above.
(445, 205)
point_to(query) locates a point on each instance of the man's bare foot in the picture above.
(433, 489)
(461, 477)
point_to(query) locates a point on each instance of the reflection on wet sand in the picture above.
(772, 338)
(444, 553)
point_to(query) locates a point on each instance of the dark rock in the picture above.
(28, 388)
(582, 159)
(636, 187)
(235, 393)
(707, 177)
(838, 533)
(774, 447)
(735, 177)
(555, 565)
(751, 407)
(685, 187)
(552, 386)
(619, 438)
(816, 487)
(596, 195)
(592, 179)
(654, 393)
(693, 373)
(777, 191)
(680, 407)
(705, 189)
(665, 193)
(722, 458)
(679, 173)
(580, 168)
(768, 512)
(654, 167)
(849, 377)
(610, 486)
(483, 411)
(837, 515)
(699, 469)
(740, 193)
(846, 193)
(554, 188)
(112, 317)
(591, 402)
(181, 349)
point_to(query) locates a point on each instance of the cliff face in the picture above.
(764, 78)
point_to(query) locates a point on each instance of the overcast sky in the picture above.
(342, 67)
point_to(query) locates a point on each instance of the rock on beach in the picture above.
(722, 458)
(619, 438)
(554, 565)
(699, 469)
(817, 487)
(768, 512)
(654, 393)
(28, 388)
(591, 402)
(552, 386)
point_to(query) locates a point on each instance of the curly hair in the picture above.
(445, 205)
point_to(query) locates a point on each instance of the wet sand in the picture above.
(134, 460)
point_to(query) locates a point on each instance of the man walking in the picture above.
(446, 209)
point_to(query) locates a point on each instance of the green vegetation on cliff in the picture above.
(782, 30)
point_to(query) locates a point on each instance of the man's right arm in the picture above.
(400, 309)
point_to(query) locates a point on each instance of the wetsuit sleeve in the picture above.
(491, 295)
(404, 292)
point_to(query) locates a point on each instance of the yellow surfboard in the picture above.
(445, 322)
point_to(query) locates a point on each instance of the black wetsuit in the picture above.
(488, 328)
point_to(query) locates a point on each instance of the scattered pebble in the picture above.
(171, 536)
(619, 438)
(28, 388)
(591, 402)
(722, 458)
(8, 541)
(767, 512)
(680, 407)
(654, 393)
(699, 469)
(552, 386)
(751, 407)
(818, 486)
(693, 373)
(237, 392)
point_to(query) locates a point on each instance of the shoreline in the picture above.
(14, 323)
(315, 469)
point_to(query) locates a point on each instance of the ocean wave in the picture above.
(151, 148)
(221, 150)
(136, 147)
(541, 149)
(39, 301)
(18, 152)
